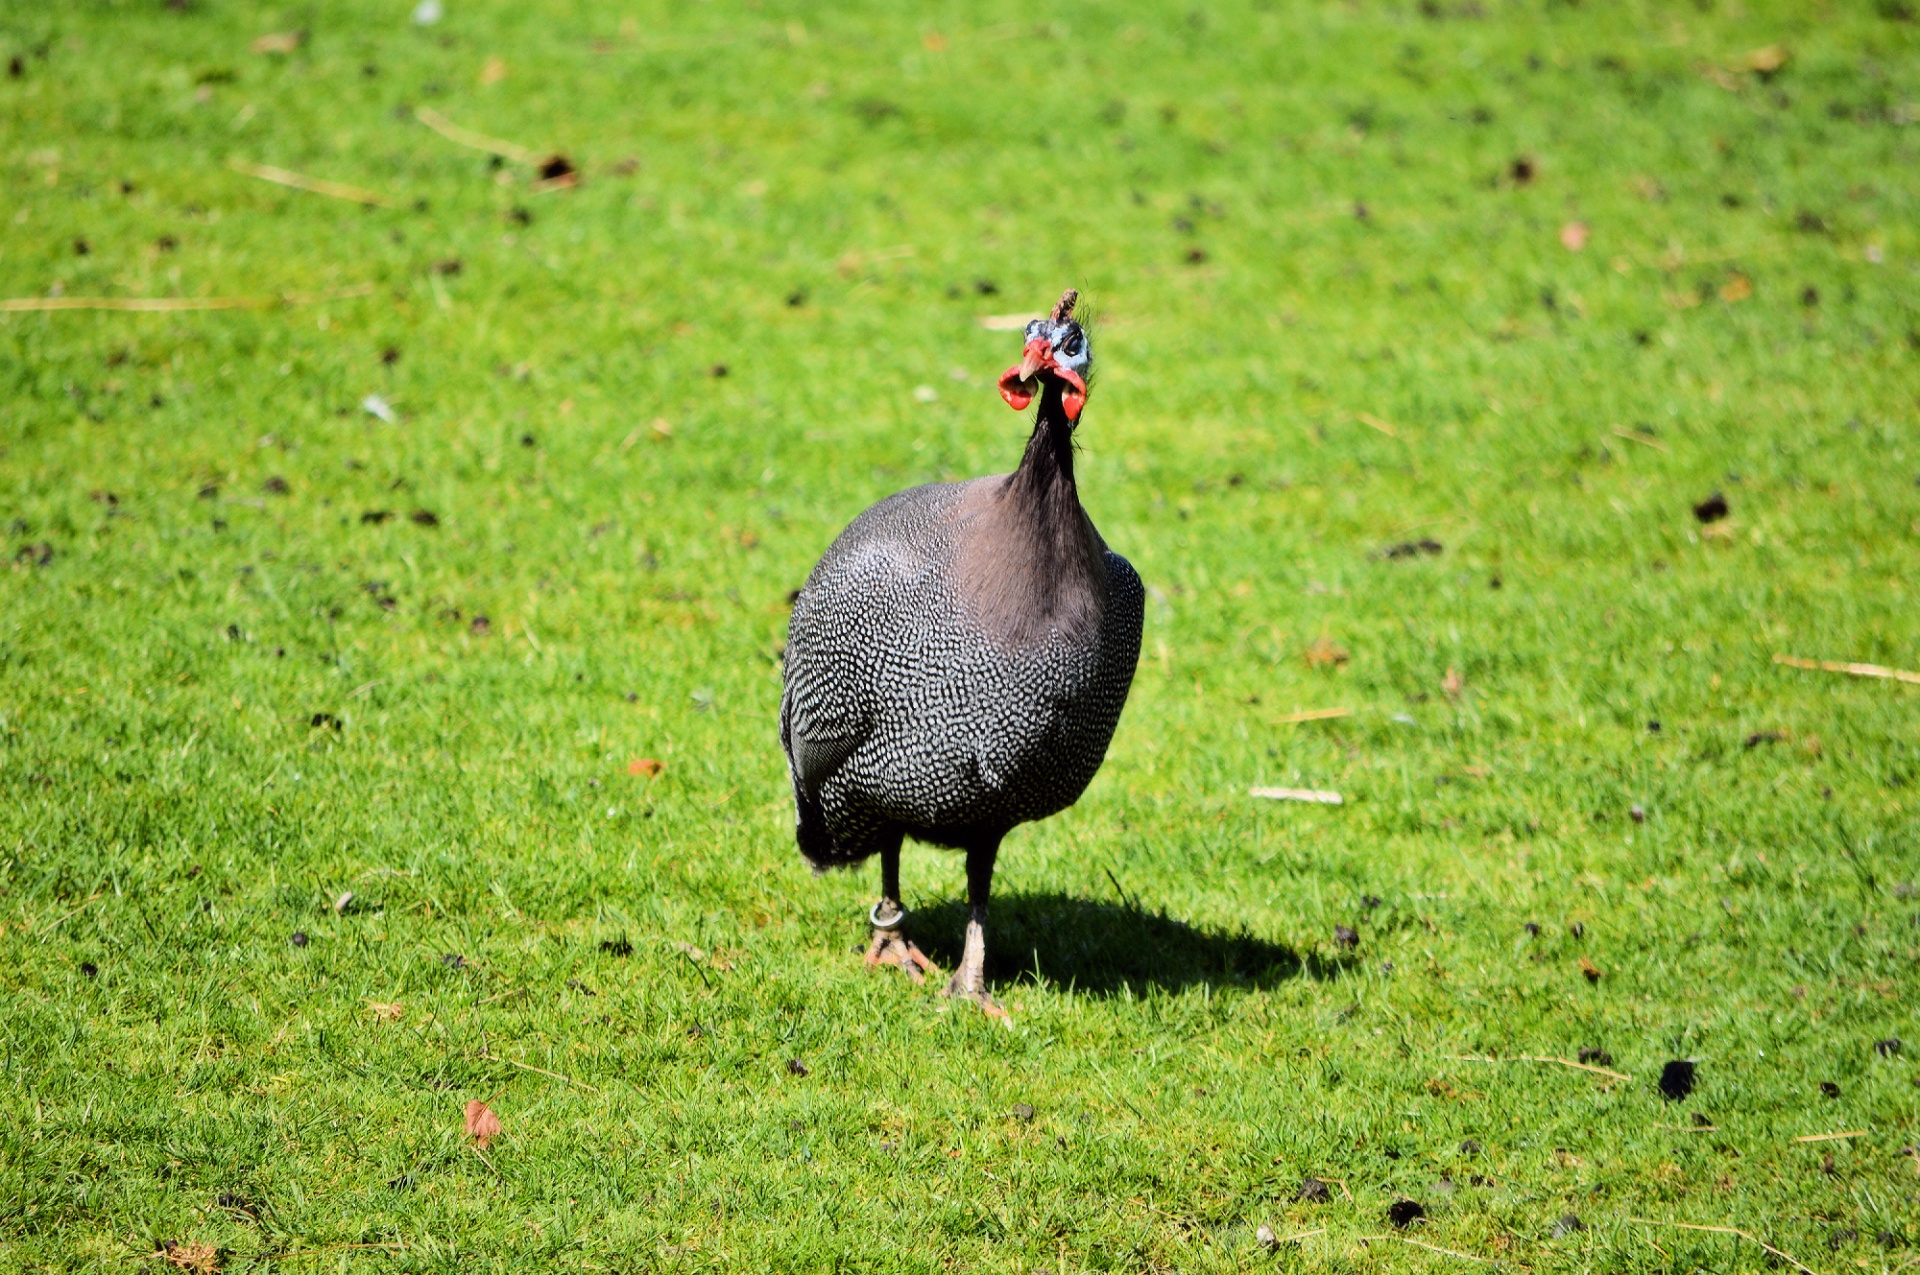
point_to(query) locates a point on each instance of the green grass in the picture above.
(813, 197)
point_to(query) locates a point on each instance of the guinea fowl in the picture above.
(957, 662)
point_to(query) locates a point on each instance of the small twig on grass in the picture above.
(331, 294)
(16, 305)
(1539, 1058)
(499, 996)
(1316, 796)
(1732, 1230)
(1435, 1248)
(1156, 1209)
(318, 186)
(1831, 1137)
(1622, 432)
(168, 305)
(1295, 1239)
(395, 1247)
(478, 141)
(1669, 264)
(1313, 715)
(1374, 422)
(483, 1157)
(1856, 670)
(854, 258)
(580, 1084)
(691, 44)
(51, 927)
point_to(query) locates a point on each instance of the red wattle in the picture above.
(1074, 397)
(1017, 392)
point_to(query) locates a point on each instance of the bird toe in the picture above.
(957, 990)
(888, 948)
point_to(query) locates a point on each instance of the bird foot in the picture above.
(890, 948)
(958, 990)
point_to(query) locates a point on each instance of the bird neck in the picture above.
(1039, 566)
(1046, 471)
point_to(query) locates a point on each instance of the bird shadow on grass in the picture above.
(1106, 948)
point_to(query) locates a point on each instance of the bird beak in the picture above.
(1037, 355)
(1017, 383)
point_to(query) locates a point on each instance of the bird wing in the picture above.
(816, 757)
(823, 718)
(845, 622)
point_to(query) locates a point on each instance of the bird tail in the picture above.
(811, 832)
(809, 819)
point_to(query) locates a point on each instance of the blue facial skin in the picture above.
(1071, 349)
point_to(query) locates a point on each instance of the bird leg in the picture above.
(888, 945)
(970, 980)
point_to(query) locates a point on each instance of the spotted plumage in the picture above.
(906, 712)
(957, 662)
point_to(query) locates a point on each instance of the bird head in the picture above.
(1057, 349)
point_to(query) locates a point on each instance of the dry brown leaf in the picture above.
(482, 1125)
(1326, 653)
(384, 1012)
(1766, 61)
(647, 766)
(203, 1259)
(1738, 288)
(493, 70)
(1574, 235)
(279, 42)
(1453, 684)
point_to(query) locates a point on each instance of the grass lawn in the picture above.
(1422, 329)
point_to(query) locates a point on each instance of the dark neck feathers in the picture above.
(1048, 462)
(1031, 561)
